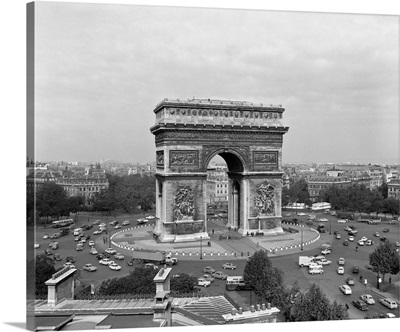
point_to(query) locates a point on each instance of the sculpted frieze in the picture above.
(160, 158)
(265, 158)
(265, 199)
(183, 158)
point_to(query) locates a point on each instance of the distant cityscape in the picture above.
(87, 179)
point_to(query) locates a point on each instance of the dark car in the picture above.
(57, 257)
(360, 305)
(345, 242)
(48, 252)
(383, 238)
(385, 230)
(70, 259)
(243, 286)
(356, 269)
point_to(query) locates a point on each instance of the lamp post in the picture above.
(330, 225)
(301, 239)
(201, 247)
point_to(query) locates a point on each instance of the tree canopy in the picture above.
(44, 269)
(357, 197)
(183, 283)
(385, 259)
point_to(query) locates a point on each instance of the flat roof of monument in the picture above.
(216, 102)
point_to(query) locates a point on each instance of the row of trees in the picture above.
(126, 193)
(52, 202)
(355, 197)
(267, 282)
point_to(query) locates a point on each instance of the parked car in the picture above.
(89, 267)
(367, 298)
(388, 303)
(208, 269)
(203, 282)
(360, 305)
(325, 251)
(79, 247)
(117, 226)
(324, 262)
(119, 256)
(360, 243)
(57, 257)
(91, 243)
(36, 245)
(105, 261)
(70, 259)
(97, 232)
(115, 267)
(93, 251)
(48, 252)
(151, 266)
(125, 223)
(340, 270)
(208, 277)
(387, 315)
(346, 243)
(341, 261)
(356, 269)
(345, 289)
(338, 236)
(351, 238)
(111, 251)
(69, 264)
(364, 238)
(229, 266)
(369, 242)
(350, 281)
(220, 275)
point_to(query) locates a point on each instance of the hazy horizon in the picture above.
(101, 69)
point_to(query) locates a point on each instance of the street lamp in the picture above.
(201, 247)
(330, 225)
(301, 239)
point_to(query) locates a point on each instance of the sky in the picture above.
(100, 69)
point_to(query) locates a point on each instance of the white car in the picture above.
(363, 239)
(345, 289)
(351, 238)
(111, 251)
(119, 256)
(203, 282)
(229, 266)
(368, 299)
(106, 261)
(340, 270)
(389, 303)
(150, 217)
(93, 251)
(325, 262)
(341, 261)
(36, 245)
(91, 243)
(97, 232)
(315, 271)
(347, 228)
(360, 243)
(325, 251)
(90, 267)
(323, 220)
(46, 236)
(102, 225)
(117, 226)
(342, 221)
(69, 264)
(369, 243)
(115, 267)
(126, 223)
(301, 214)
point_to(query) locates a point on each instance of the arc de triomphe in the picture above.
(188, 134)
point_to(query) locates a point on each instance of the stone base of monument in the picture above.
(183, 237)
(267, 232)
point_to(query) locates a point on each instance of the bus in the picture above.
(236, 283)
(62, 223)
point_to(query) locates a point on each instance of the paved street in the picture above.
(286, 259)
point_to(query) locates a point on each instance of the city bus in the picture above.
(62, 223)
